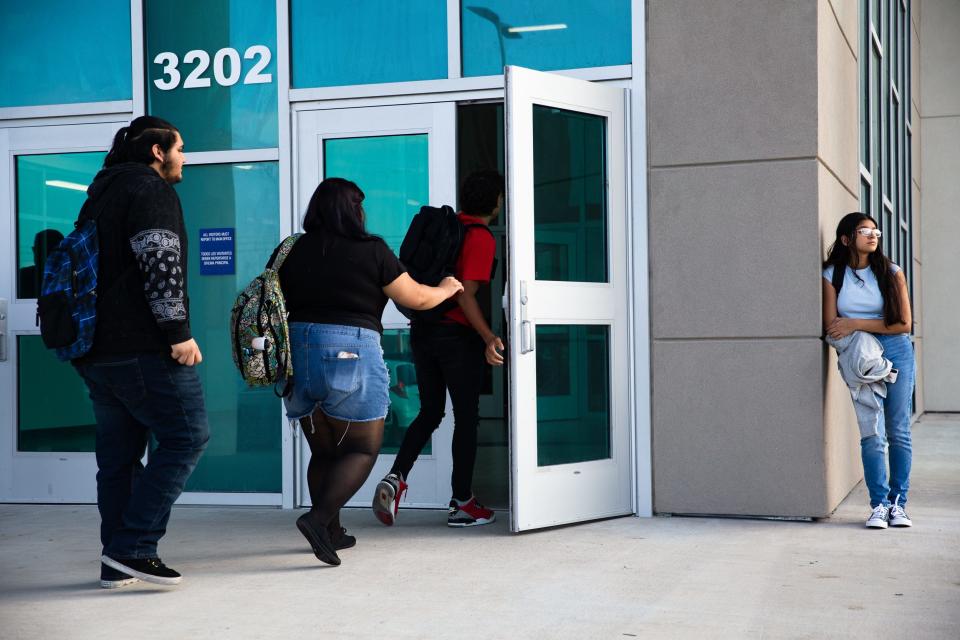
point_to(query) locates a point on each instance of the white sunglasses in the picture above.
(867, 232)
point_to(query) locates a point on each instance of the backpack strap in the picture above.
(284, 251)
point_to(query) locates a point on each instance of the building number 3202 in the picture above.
(225, 74)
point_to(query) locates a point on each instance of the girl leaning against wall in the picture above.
(871, 296)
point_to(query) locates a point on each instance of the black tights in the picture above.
(342, 455)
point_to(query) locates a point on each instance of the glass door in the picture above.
(402, 157)
(47, 425)
(568, 300)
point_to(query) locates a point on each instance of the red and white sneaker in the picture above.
(469, 514)
(386, 499)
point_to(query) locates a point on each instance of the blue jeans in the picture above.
(897, 409)
(135, 396)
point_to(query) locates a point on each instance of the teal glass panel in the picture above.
(211, 70)
(404, 391)
(573, 393)
(480, 142)
(51, 188)
(569, 195)
(543, 34)
(245, 423)
(64, 52)
(367, 42)
(54, 409)
(392, 171)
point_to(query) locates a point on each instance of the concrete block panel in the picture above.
(833, 202)
(734, 80)
(840, 434)
(941, 260)
(916, 224)
(916, 81)
(734, 250)
(917, 300)
(838, 101)
(940, 50)
(915, 144)
(921, 406)
(847, 15)
(738, 427)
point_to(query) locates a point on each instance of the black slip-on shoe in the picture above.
(147, 569)
(341, 539)
(319, 539)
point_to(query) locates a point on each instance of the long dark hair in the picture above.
(336, 207)
(841, 256)
(134, 143)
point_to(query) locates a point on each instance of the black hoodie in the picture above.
(142, 301)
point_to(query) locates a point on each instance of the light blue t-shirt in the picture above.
(859, 298)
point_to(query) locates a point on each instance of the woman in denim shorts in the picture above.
(336, 281)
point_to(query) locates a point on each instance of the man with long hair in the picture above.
(140, 369)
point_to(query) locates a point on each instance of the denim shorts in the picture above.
(339, 370)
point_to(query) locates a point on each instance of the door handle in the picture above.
(528, 334)
(528, 337)
(3, 330)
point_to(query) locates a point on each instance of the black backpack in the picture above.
(429, 252)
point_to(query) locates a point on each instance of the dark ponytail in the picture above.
(134, 143)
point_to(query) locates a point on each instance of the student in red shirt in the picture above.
(453, 354)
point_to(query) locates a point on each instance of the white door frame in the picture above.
(36, 476)
(543, 496)
(430, 477)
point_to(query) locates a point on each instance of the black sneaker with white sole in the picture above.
(147, 569)
(110, 578)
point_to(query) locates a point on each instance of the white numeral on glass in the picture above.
(254, 76)
(194, 81)
(219, 73)
(227, 68)
(169, 62)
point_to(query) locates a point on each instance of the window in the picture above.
(347, 43)
(886, 129)
(51, 57)
(212, 71)
(559, 34)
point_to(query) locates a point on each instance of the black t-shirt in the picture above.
(335, 280)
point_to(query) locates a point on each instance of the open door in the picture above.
(567, 300)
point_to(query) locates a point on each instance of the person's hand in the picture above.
(186, 353)
(451, 286)
(841, 328)
(494, 351)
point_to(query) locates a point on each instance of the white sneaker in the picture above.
(898, 517)
(878, 517)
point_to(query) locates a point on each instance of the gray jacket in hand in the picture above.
(866, 372)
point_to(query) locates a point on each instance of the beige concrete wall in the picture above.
(915, 221)
(753, 154)
(838, 187)
(939, 187)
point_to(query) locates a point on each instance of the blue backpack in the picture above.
(67, 306)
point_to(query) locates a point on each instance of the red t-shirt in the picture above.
(475, 261)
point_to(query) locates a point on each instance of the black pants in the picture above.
(446, 356)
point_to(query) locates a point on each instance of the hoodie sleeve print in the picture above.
(159, 248)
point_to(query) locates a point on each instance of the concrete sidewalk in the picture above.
(249, 574)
